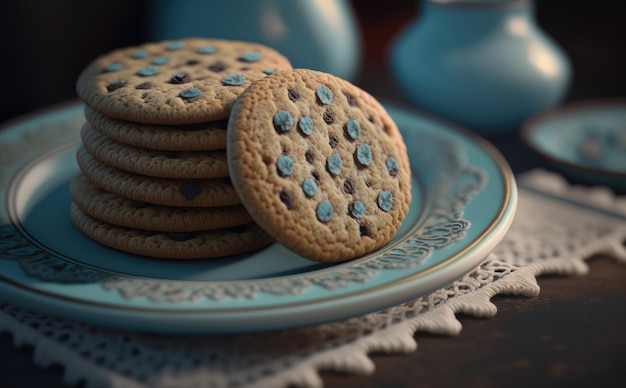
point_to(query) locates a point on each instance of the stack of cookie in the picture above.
(155, 178)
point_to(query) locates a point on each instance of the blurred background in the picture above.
(46, 44)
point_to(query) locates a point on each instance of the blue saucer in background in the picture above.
(585, 140)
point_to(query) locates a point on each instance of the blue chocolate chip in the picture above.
(206, 50)
(357, 209)
(364, 155)
(148, 71)
(161, 60)
(190, 93)
(175, 46)
(234, 80)
(325, 95)
(309, 187)
(334, 164)
(284, 166)
(250, 56)
(283, 121)
(392, 166)
(269, 71)
(353, 128)
(385, 201)
(306, 125)
(139, 54)
(324, 211)
(115, 66)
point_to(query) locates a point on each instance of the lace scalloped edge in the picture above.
(601, 197)
(351, 358)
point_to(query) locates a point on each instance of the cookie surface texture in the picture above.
(111, 208)
(159, 191)
(160, 164)
(199, 245)
(319, 165)
(177, 81)
(191, 137)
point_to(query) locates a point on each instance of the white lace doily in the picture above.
(556, 228)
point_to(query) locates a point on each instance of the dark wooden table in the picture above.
(571, 335)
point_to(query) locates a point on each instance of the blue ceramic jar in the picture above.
(316, 34)
(485, 64)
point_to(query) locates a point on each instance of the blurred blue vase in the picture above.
(314, 34)
(485, 64)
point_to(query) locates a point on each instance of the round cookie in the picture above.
(189, 137)
(176, 81)
(113, 209)
(186, 245)
(160, 164)
(159, 191)
(319, 164)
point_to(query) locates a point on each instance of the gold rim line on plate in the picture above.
(505, 174)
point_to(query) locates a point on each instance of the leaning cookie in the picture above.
(177, 81)
(160, 164)
(191, 137)
(173, 245)
(113, 209)
(159, 191)
(319, 164)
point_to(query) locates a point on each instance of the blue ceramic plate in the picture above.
(464, 202)
(586, 140)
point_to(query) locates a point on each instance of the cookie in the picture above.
(177, 81)
(159, 191)
(113, 209)
(179, 245)
(319, 164)
(191, 137)
(161, 164)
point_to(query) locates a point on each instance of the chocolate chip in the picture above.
(365, 230)
(348, 186)
(145, 85)
(284, 166)
(190, 93)
(309, 156)
(328, 117)
(181, 236)
(350, 98)
(293, 95)
(180, 78)
(333, 141)
(286, 197)
(283, 121)
(315, 175)
(139, 204)
(192, 62)
(190, 189)
(217, 67)
(115, 84)
(392, 166)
